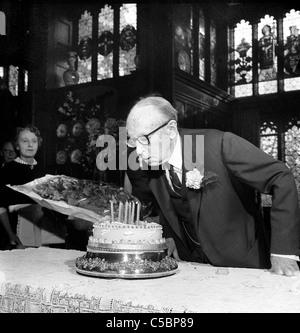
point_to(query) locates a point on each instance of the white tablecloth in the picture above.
(45, 280)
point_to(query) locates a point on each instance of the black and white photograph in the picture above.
(150, 159)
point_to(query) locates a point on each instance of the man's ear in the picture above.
(173, 128)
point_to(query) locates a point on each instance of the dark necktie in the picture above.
(175, 180)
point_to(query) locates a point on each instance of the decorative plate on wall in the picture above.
(105, 43)
(77, 129)
(62, 131)
(128, 38)
(61, 157)
(76, 156)
(184, 61)
(85, 48)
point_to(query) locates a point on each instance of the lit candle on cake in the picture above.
(120, 211)
(132, 212)
(112, 210)
(126, 212)
(129, 213)
(138, 213)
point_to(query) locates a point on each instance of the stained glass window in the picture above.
(291, 26)
(25, 80)
(274, 44)
(269, 139)
(290, 143)
(2, 23)
(183, 38)
(105, 43)
(190, 33)
(243, 59)
(201, 45)
(213, 53)
(107, 54)
(13, 80)
(269, 144)
(292, 151)
(128, 31)
(267, 55)
(195, 42)
(85, 47)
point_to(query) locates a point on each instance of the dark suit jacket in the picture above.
(226, 218)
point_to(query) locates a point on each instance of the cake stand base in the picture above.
(116, 275)
(124, 266)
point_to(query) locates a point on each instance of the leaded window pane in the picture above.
(213, 53)
(183, 38)
(273, 43)
(290, 141)
(243, 59)
(85, 47)
(190, 39)
(25, 80)
(269, 139)
(292, 153)
(128, 35)
(291, 24)
(269, 144)
(105, 43)
(2, 23)
(13, 80)
(267, 55)
(201, 45)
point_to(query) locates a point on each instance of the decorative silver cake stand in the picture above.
(126, 265)
(124, 275)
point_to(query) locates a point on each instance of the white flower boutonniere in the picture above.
(195, 179)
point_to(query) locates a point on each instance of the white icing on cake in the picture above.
(121, 233)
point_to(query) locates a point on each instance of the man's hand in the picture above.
(14, 240)
(172, 250)
(284, 266)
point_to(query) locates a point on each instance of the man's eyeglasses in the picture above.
(8, 151)
(144, 139)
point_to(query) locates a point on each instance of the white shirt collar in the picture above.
(176, 156)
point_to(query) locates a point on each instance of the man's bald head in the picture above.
(152, 111)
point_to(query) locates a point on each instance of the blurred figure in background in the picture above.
(7, 152)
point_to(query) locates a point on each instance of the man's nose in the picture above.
(139, 148)
(142, 150)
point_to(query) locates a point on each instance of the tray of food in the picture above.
(79, 198)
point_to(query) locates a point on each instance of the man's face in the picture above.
(8, 152)
(159, 149)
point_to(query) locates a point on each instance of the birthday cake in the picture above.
(126, 248)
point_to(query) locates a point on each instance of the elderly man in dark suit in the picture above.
(202, 180)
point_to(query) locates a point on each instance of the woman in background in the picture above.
(21, 170)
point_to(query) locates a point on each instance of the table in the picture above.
(45, 280)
